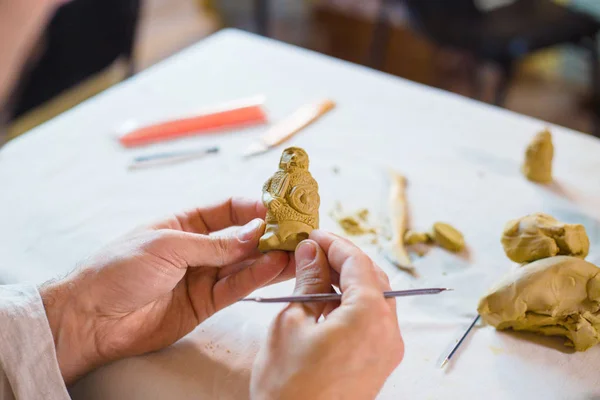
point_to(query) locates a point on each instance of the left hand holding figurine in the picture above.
(148, 290)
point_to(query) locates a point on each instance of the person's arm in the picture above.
(21, 23)
(28, 366)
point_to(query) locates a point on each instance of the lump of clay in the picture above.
(412, 238)
(291, 196)
(540, 235)
(538, 158)
(556, 296)
(448, 237)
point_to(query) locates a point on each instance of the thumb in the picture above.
(197, 250)
(312, 276)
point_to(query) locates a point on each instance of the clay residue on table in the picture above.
(354, 223)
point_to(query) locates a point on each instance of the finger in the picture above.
(240, 284)
(288, 272)
(335, 277)
(360, 279)
(356, 269)
(312, 276)
(384, 283)
(237, 267)
(232, 212)
(186, 249)
(329, 307)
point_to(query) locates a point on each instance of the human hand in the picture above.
(147, 290)
(350, 354)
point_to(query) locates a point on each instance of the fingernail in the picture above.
(306, 253)
(248, 231)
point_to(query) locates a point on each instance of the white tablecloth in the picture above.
(65, 190)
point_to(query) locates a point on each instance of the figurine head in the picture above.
(293, 157)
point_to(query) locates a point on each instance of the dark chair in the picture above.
(83, 38)
(261, 16)
(502, 36)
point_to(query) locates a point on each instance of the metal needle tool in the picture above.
(168, 158)
(460, 341)
(309, 298)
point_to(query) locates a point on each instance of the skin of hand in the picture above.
(149, 289)
(350, 353)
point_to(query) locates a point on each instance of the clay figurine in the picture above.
(555, 296)
(538, 158)
(539, 235)
(291, 196)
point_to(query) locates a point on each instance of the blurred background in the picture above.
(536, 57)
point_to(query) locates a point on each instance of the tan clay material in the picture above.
(291, 196)
(398, 211)
(540, 235)
(354, 223)
(538, 158)
(448, 237)
(556, 296)
(412, 238)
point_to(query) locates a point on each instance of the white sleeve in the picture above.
(28, 366)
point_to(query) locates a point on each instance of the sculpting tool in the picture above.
(398, 206)
(319, 297)
(460, 341)
(239, 114)
(288, 127)
(174, 157)
(412, 271)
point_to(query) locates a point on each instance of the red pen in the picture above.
(232, 116)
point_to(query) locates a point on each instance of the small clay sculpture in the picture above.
(291, 196)
(539, 235)
(538, 158)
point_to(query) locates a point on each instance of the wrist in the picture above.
(70, 329)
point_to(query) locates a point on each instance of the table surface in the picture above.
(66, 191)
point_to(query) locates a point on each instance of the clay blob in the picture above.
(539, 235)
(555, 296)
(292, 199)
(412, 238)
(448, 237)
(537, 166)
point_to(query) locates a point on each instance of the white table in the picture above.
(65, 190)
